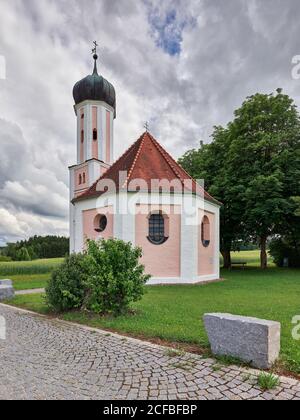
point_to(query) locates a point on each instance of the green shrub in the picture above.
(65, 290)
(106, 279)
(282, 248)
(115, 276)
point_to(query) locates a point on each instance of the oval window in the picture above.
(101, 223)
(157, 229)
(205, 232)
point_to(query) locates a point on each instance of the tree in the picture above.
(287, 244)
(40, 247)
(264, 158)
(297, 203)
(253, 168)
(209, 163)
(23, 255)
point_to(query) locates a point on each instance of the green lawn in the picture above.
(30, 281)
(29, 274)
(34, 274)
(251, 257)
(175, 313)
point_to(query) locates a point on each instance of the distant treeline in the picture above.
(37, 247)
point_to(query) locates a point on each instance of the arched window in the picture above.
(157, 229)
(205, 232)
(80, 179)
(82, 136)
(83, 178)
(95, 134)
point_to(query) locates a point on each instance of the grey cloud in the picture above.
(23, 184)
(230, 49)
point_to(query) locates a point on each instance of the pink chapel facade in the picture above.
(144, 197)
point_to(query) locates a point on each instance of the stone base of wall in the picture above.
(183, 281)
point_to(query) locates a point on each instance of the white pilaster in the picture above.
(89, 132)
(189, 246)
(217, 243)
(100, 133)
(124, 226)
(78, 137)
(112, 137)
(103, 125)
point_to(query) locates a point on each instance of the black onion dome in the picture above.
(95, 88)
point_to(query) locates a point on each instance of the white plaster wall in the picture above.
(124, 228)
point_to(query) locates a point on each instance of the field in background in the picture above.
(29, 274)
(34, 274)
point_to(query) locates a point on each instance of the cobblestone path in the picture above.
(43, 358)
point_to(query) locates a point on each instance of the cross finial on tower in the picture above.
(95, 56)
(94, 50)
(146, 126)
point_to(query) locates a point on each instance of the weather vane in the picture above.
(94, 50)
(146, 126)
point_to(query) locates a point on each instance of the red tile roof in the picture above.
(146, 160)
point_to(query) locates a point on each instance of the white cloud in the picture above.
(228, 50)
(19, 225)
(10, 225)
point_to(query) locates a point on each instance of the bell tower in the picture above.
(95, 110)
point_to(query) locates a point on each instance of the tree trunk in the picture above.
(263, 253)
(227, 259)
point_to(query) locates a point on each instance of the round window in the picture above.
(102, 223)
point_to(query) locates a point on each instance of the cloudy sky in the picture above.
(184, 65)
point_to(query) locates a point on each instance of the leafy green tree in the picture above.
(253, 168)
(23, 254)
(209, 163)
(32, 253)
(265, 161)
(40, 247)
(287, 245)
(297, 203)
